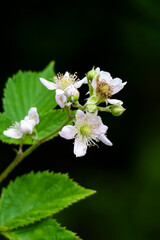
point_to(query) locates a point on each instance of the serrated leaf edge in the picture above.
(51, 213)
(14, 236)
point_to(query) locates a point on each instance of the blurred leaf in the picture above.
(47, 229)
(147, 7)
(33, 197)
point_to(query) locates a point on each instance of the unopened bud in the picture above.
(117, 110)
(91, 107)
(91, 74)
(73, 98)
(61, 98)
(92, 100)
(72, 94)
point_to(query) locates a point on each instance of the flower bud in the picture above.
(73, 98)
(61, 99)
(91, 74)
(92, 108)
(92, 100)
(72, 94)
(117, 110)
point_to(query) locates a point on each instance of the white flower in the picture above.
(25, 126)
(105, 86)
(62, 84)
(87, 130)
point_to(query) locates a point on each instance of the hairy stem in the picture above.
(21, 155)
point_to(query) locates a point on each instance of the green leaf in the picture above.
(47, 229)
(50, 122)
(36, 196)
(24, 90)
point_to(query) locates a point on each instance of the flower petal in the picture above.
(48, 84)
(80, 147)
(98, 128)
(80, 115)
(66, 75)
(102, 128)
(13, 133)
(105, 76)
(94, 82)
(33, 115)
(61, 99)
(71, 90)
(26, 126)
(118, 88)
(105, 140)
(116, 81)
(114, 101)
(78, 84)
(97, 70)
(68, 132)
(117, 85)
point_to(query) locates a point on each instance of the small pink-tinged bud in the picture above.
(61, 99)
(72, 93)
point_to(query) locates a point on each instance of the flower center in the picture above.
(64, 82)
(103, 90)
(85, 130)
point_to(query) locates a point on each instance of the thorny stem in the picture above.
(21, 155)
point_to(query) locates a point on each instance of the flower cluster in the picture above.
(88, 127)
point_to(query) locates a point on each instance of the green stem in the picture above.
(67, 109)
(79, 106)
(21, 155)
(104, 109)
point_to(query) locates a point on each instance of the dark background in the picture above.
(123, 38)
